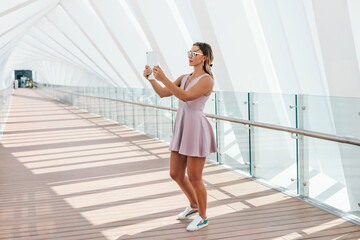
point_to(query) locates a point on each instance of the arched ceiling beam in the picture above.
(95, 46)
(87, 66)
(115, 40)
(17, 7)
(83, 52)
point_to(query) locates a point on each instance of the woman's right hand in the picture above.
(147, 72)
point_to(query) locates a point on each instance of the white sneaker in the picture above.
(188, 212)
(197, 224)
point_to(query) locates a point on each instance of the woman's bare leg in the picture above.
(195, 166)
(177, 173)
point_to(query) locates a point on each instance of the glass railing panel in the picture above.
(82, 98)
(232, 104)
(151, 119)
(101, 102)
(333, 173)
(139, 118)
(278, 109)
(128, 94)
(273, 157)
(139, 111)
(150, 97)
(79, 98)
(95, 101)
(164, 125)
(87, 93)
(120, 108)
(107, 103)
(274, 152)
(210, 105)
(138, 95)
(164, 102)
(129, 108)
(112, 95)
(233, 145)
(332, 115)
(233, 138)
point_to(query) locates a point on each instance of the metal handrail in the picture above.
(329, 137)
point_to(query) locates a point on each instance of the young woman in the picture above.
(193, 138)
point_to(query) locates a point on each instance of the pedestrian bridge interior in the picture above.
(84, 138)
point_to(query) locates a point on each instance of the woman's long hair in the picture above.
(207, 51)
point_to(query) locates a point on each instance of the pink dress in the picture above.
(193, 135)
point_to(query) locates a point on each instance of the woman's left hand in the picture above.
(158, 73)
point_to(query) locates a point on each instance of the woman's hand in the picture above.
(147, 72)
(158, 73)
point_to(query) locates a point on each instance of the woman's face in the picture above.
(198, 59)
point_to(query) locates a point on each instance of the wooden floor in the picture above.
(65, 174)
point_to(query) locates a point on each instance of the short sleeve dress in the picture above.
(193, 135)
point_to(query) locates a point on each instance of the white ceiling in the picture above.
(277, 46)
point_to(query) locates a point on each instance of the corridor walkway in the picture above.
(66, 174)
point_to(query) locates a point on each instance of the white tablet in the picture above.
(152, 60)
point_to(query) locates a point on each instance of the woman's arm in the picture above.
(161, 91)
(202, 87)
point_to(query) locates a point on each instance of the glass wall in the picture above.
(323, 171)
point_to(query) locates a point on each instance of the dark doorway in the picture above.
(24, 78)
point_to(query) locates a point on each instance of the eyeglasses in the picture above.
(193, 54)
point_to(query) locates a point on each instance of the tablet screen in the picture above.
(151, 60)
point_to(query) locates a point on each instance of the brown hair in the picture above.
(207, 51)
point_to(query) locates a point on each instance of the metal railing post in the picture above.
(251, 105)
(303, 160)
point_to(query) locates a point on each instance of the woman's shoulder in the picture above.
(180, 79)
(206, 80)
(206, 77)
(184, 75)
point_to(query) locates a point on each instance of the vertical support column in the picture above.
(251, 104)
(303, 160)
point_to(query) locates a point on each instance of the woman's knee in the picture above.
(194, 178)
(176, 176)
(177, 166)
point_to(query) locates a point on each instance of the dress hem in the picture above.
(192, 155)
